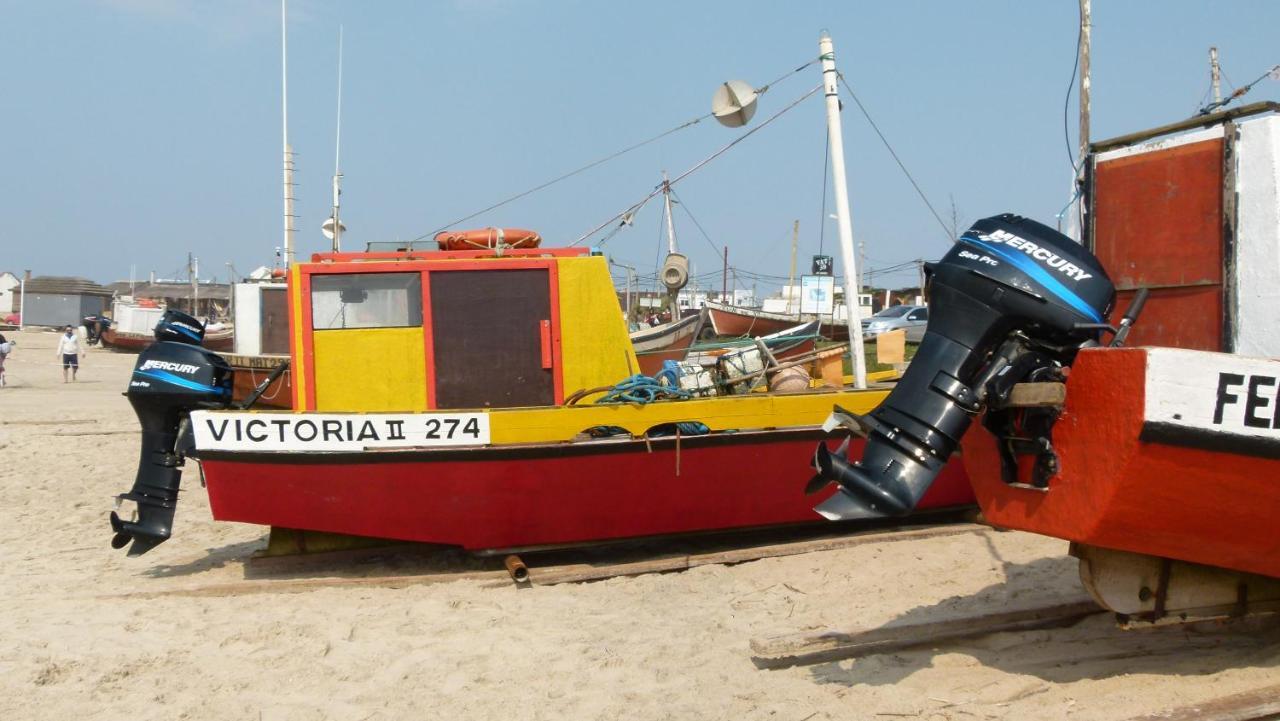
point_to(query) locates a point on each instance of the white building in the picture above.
(9, 284)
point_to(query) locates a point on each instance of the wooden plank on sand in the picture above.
(1256, 705)
(578, 572)
(808, 648)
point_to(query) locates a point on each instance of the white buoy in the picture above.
(734, 103)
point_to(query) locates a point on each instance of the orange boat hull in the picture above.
(1186, 498)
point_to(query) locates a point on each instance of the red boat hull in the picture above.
(742, 322)
(663, 343)
(1114, 490)
(536, 495)
(220, 341)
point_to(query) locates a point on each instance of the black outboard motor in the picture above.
(1012, 299)
(172, 377)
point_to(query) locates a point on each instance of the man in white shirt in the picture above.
(69, 350)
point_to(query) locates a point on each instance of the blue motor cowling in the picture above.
(172, 377)
(1011, 297)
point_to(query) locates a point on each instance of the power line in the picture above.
(1066, 101)
(687, 124)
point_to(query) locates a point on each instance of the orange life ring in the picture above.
(488, 239)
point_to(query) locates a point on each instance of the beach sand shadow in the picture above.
(1092, 648)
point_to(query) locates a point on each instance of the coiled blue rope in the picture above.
(641, 388)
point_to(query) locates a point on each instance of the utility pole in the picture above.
(193, 276)
(844, 222)
(724, 279)
(920, 267)
(1215, 74)
(791, 279)
(1085, 25)
(22, 301)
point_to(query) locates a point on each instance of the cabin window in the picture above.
(366, 300)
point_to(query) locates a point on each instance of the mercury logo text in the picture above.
(1048, 257)
(170, 366)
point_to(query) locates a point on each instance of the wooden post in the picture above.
(724, 280)
(791, 279)
(1085, 25)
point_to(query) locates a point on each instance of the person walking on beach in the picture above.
(69, 349)
(5, 349)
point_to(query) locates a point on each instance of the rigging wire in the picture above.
(599, 161)
(699, 165)
(1239, 92)
(946, 231)
(696, 224)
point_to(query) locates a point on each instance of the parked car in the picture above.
(911, 318)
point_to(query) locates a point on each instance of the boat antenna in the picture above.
(337, 152)
(284, 120)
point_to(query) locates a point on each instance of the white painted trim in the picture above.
(1188, 389)
(1257, 241)
(1152, 146)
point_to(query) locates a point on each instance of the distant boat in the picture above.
(133, 323)
(732, 320)
(218, 340)
(669, 341)
(785, 344)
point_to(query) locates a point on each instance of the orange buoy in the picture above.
(488, 239)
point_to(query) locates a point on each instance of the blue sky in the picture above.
(134, 131)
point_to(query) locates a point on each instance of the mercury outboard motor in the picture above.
(1012, 300)
(172, 377)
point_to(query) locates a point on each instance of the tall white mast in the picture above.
(337, 151)
(843, 220)
(284, 119)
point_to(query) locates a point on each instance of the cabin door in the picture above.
(491, 337)
(274, 323)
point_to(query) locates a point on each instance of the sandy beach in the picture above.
(91, 634)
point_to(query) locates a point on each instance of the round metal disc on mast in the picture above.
(327, 228)
(734, 103)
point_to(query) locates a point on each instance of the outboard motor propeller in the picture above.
(1013, 297)
(172, 376)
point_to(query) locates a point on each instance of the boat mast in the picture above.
(1215, 75)
(284, 119)
(671, 227)
(843, 220)
(337, 150)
